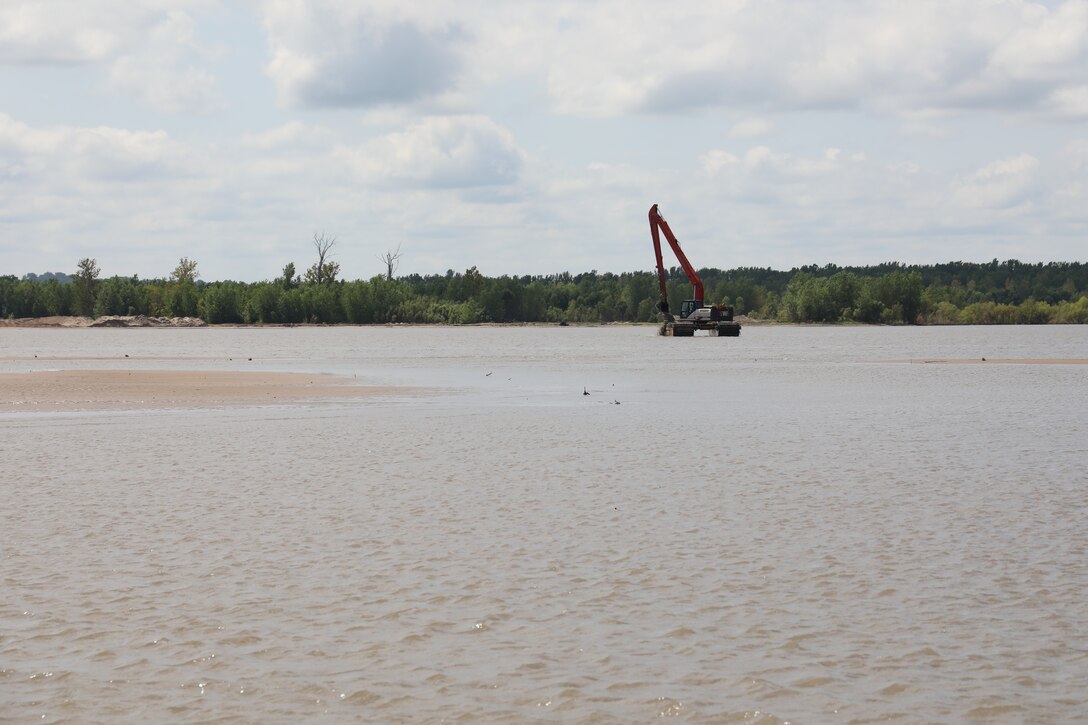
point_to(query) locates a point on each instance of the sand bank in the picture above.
(73, 390)
(106, 321)
(991, 361)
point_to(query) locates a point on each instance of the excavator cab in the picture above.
(687, 307)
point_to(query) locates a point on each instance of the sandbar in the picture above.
(79, 390)
(993, 361)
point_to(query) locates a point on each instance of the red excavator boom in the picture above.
(657, 222)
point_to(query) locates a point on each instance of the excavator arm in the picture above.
(659, 226)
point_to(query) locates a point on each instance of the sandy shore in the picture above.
(73, 390)
(991, 361)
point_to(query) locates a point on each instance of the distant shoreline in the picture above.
(141, 321)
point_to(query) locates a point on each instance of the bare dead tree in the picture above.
(323, 243)
(323, 272)
(391, 260)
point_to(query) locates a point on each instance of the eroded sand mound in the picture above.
(106, 321)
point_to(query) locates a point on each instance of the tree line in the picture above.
(1009, 292)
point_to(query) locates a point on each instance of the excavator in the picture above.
(694, 315)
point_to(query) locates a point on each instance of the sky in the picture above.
(532, 137)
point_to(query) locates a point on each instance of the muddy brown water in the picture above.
(795, 525)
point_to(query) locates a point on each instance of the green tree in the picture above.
(222, 302)
(181, 297)
(387, 297)
(903, 289)
(843, 289)
(108, 300)
(85, 281)
(808, 299)
(1034, 312)
(55, 298)
(289, 279)
(262, 303)
(866, 307)
(472, 283)
(358, 302)
(322, 303)
(1072, 313)
(184, 272)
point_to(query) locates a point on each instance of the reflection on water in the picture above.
(764, 529)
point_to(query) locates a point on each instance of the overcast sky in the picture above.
(531, 137)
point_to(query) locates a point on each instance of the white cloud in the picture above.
(100, 191)
(886, 56)
(750, 128)
(147, 48)
(89, 155)
(439, 123)
(338, 54)
(791, 208)
(715, 160)
(164, 89)
(445, 152)
(34, 32)
(50, 31)
(159, 73)
(770, 164)
(1071, 102)
(605, 59)
(1045, 43)
(999, 184)
(1076, 154)
(293, 135)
